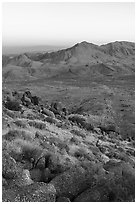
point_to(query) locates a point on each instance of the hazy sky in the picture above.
(67, 23)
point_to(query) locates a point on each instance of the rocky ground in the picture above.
(52, 155)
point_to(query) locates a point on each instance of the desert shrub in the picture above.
(108, 128)
(58, 143)
(82, 153)
(21, 123)
(13, 105)
(40, 136)
(29, 150)
(78, 133)
(13, 134)
(11, 114)
(75, 140)
(79, 119)
(51, 120)
(38, 125)
(48, 112)
(88, 126)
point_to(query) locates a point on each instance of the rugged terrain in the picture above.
(83, 149)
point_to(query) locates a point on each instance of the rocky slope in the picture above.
(52, 155)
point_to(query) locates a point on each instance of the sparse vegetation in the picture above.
(80, 146)
(37, 124)
(13, 105)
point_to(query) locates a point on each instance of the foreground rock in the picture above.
(37, 192)
(70, 183)
(117, 185)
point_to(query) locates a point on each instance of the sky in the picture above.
(63, 24)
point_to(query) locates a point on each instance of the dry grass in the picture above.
(37, 124)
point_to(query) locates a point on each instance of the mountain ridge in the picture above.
(82, 58)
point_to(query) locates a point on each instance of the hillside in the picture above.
(52, 155)
(68, 125)
(83, 58)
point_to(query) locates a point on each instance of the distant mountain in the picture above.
(85, 52)
(83, 59)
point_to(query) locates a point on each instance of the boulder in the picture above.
(48, 112)
(46, 175)
(36, 192)
(36, 175)
(71, 183)
(13, 105)
(35, 100)
(24, 179)
(10, 168)
(90, 195)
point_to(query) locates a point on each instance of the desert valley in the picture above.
(68, 124)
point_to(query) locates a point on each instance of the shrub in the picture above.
(21, 123)
(51, 120)
(38, 125)
(12, 114)
(58, 142)
(75, 140)
(79, 119)
(78, 133)
(82, 153)
(13, 134)
(29, 150)
(13, 105)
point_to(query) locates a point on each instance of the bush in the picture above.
(13, 134)
(29, 150)
(58, 143)
(81, 121)
(82, 153)
(21, 123)
(38, 125)
(13, 105)
(75, 140)
(51, 120)
(78, 133)
(12, 114)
